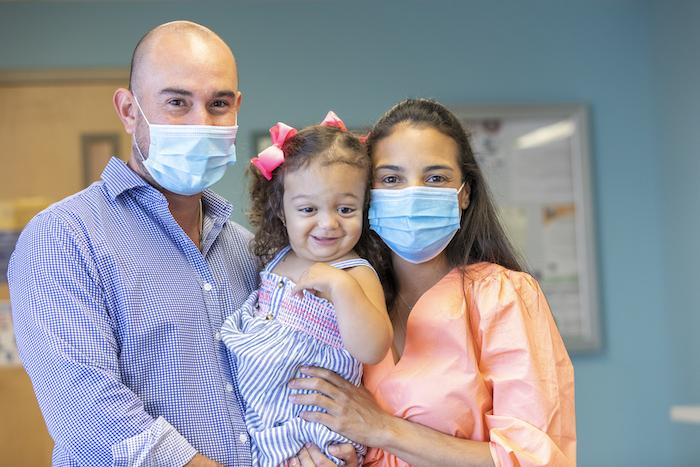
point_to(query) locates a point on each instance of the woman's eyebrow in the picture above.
(394, 168)
(437, 167)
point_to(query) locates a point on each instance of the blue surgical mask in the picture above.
(187, 159)
(417, 222)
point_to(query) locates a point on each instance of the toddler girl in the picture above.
(319, 302)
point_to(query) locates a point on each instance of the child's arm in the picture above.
(358, 299)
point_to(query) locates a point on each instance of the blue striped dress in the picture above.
(270, 337)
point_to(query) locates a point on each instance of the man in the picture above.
(118, 292)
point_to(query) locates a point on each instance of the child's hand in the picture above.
(320, 278)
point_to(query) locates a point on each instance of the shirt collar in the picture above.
(216, 205)
(118, 178)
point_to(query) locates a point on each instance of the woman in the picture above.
(478, 374)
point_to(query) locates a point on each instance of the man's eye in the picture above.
(176, 102)
(220, 103)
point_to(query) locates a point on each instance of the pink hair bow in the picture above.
(333, 120)
(272, 157)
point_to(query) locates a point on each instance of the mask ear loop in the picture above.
(468, 201)
(138, 106)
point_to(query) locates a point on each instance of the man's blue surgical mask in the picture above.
(417, 222)
(187, 159)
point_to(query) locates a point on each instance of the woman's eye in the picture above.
(390, 179)
(436, 179)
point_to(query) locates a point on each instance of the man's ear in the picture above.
(123, 101)
(239, 100)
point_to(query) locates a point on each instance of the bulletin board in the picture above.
(536, 161)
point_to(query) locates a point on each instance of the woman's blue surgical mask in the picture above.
(187, 159)
(417, 222)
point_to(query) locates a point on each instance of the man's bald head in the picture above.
(179, 30)
(182, 74)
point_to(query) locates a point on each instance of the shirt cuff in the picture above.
(160, 444)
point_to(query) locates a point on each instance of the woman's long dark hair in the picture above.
(481, 236)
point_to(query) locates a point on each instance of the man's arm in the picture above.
(66, 340)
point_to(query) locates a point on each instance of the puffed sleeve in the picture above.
(523, 359)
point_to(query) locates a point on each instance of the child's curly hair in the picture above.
(325, 144)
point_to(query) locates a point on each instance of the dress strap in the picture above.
(351, 263)
(345, 264)
(277, 258)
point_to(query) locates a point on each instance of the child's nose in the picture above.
(328, 221)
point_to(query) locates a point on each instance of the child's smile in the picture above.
(323, 210)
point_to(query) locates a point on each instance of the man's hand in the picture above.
(200, 460)
(311, 456)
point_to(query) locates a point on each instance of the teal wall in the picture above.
(676, 90)
(619, 57)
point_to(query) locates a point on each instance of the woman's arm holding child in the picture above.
(358, 299)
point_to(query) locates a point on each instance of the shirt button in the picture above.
(243, 438)
(207, 286)
(217, 336)
(228, 387)
(280, 284)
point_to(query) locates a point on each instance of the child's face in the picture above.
(323, 210)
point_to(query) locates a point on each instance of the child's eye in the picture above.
(306, 210)
(345, 210)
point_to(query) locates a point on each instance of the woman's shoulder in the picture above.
(490, 281)
(484, 273)
(497, 291)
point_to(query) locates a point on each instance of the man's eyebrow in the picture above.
(182, 92)
(231, 94)
(185, 92)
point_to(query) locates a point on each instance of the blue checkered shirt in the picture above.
(117, 317)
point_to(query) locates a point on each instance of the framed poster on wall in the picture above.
(536, 161)
(97, 150)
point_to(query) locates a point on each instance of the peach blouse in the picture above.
(498, 372)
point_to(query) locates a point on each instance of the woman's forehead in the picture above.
(415, 147)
